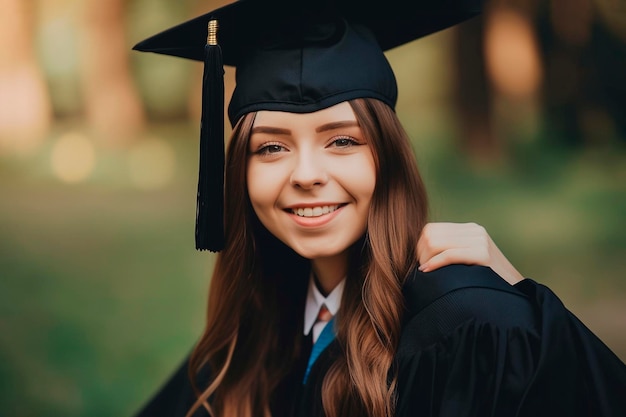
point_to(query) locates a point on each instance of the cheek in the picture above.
(261, 187)
(254, 184)
(362, 176)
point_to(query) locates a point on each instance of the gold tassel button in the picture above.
(212, 34)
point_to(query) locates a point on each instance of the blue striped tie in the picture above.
(324, 339)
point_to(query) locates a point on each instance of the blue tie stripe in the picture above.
(324, 339)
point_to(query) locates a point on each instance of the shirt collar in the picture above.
(315, 300)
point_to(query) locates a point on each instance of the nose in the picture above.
(309, 171)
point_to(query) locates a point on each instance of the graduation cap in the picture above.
(296, 56)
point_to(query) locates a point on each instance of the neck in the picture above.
(330, 271)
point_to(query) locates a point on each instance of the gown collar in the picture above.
(315, 300)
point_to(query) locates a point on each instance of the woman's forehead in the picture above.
(337, 113)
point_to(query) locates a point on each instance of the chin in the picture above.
(320, 251)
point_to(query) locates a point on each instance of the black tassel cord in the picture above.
(210, 198)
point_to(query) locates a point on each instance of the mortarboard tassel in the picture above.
(210, 199)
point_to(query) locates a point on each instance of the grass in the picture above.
(102, 292)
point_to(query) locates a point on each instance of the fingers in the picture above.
(437, 238)
(442, 244)
(468, 255)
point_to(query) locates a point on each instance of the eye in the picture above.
(270, 148)
(343, 142)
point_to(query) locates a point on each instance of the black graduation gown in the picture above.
(471, 345)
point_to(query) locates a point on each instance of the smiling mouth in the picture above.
(314, 211)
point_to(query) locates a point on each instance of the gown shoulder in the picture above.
(473, 345)
(438, 302)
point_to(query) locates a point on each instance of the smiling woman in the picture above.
(317, 305)
(312, 183)
(355, 157)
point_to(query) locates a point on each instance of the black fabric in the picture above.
(471, 345)
(288, 395)
(243, 22)
(210, 197)
(305, 56)
(312, 69)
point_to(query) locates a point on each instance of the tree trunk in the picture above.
(25, 109)
(112, 103)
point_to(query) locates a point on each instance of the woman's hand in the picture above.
(442, 244)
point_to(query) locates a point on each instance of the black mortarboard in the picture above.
(296, 56)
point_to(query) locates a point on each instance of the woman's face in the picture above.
(311, 178)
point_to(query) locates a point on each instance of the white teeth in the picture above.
(314, 211)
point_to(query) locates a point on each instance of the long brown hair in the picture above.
(255, 307)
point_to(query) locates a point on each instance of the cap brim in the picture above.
(398, 23)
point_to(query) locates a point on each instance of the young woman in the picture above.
(317, 305)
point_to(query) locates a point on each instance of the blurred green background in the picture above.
(517, 120)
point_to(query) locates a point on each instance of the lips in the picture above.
(314, 211)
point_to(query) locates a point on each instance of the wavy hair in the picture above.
(255, 307)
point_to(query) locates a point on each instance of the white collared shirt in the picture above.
(314, 301)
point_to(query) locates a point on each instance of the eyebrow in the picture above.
(323, 128)
(336, 125)
(271, 130)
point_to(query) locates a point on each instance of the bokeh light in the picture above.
(73, 158)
